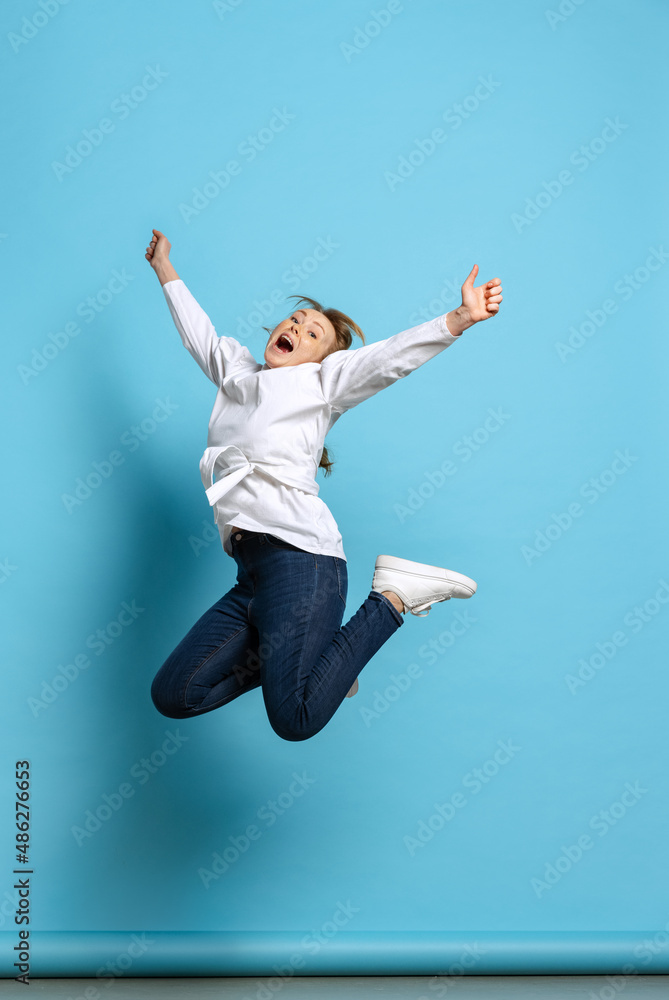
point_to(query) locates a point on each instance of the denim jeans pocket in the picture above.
(280, 543)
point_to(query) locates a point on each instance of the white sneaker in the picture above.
(418, 585)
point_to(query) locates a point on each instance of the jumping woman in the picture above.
(280, 626)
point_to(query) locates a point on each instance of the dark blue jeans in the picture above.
(279, 628)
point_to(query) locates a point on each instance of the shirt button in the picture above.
(237, 536)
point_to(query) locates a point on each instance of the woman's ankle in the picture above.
(394, 600)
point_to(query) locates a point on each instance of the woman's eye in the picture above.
(313, 335)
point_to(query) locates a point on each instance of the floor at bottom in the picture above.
(358, 987)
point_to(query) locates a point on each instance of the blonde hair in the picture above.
(345, 329)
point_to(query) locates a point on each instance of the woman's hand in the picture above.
(477, 303)
(158, 256)
(482, 302)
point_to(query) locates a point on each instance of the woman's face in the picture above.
(307, 335)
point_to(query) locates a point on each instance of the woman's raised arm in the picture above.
(349, 377)
(215, 355)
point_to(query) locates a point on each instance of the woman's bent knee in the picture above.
(166, 707)
(294, 735)
(296, 729)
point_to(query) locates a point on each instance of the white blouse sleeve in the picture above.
(215, 355)
(349, 377)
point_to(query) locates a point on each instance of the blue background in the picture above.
(402, 247)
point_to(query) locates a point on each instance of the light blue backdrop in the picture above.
(548, 172)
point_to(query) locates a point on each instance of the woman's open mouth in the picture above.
(284, 344)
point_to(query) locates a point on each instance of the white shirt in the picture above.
(268, 425)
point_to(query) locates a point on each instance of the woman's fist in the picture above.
(158, 256)
(158, 250)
